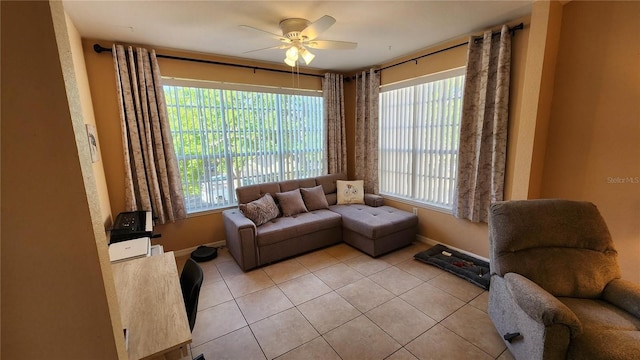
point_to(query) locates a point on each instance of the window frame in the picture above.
(413, 198)
(229, 181)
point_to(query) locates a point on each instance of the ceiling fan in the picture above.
(300, 34)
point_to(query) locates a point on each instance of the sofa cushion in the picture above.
(314, 198)
(246, 194)
(594, 313)
(569, 272)
(285, 228)
(260, 211)
(608, 331)
(605, 344)
(374, 222)
(291, 202)
(558, 244)
(289, 185)
(328, 182)
(350, 192)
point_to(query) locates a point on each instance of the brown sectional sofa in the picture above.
(371, 227)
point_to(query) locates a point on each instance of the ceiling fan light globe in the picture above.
(292, 53)
(290, 62)
(307, 56)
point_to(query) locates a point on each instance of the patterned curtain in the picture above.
(483, 130)
(333, 96)
(152, 179)
(366, 152)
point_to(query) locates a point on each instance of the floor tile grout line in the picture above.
(448, 292)
(257, 342)
(474, 345)
(441, 322)
(248, 325)
(239, 309)
(303, 344)
(333, 290)
(383, 330)
(404, 292)
(409, 351)
(361, 314)
(422, 281)
(437, 322)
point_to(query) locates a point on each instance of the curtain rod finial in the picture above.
(97, 48)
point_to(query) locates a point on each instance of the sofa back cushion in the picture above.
(289, 185)
(329, 185)
(249, 193)
(563, 246)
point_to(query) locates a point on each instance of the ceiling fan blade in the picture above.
(262, 32)
(331, 44)
(284, 46)
(312, 31)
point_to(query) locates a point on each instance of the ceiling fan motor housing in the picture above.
(298, 34)
(291, 28)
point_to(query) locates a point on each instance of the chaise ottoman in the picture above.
(376, 230)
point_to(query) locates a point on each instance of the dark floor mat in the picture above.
(467, 267)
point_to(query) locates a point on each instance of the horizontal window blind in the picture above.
(227, 138)
(419, 139)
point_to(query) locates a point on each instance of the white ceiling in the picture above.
(384, 30)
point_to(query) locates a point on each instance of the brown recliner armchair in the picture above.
(556, 291)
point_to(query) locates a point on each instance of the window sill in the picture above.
(417, 204)
(209, 212)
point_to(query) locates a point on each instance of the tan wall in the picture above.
(533, 76)
(55, 301)
(80, 69)
(196, 230)
(208, 228)
(527, 153)
(433, 224)
(53, 200)
(593, 146)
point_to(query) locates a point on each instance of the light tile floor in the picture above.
(339, 303)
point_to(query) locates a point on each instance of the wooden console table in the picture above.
(151, 306)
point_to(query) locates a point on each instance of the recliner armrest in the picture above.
(623, 294)
(539, 304)
(373, 200)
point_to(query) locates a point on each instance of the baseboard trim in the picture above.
(420, 238)
(432, 242)
(188, 251)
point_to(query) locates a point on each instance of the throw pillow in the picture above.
(350, 192)
(291, 202)
(314, 198)
(260, 211)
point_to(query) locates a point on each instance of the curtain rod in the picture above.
(512, 30)
(99, 49)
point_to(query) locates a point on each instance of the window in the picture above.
(228, 136)
(419, 138)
